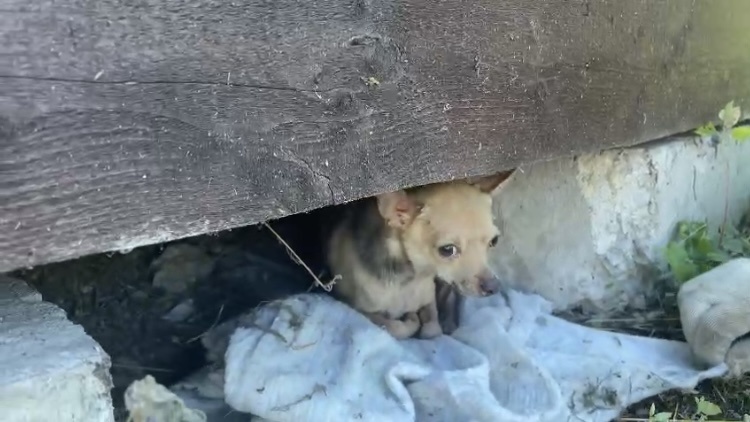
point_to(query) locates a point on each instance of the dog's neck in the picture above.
(379, 247)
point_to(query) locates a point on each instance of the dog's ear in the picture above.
(397, 208)
(491, 184)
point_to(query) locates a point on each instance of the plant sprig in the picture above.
(729, 116)
(696, 249)
(704, 409)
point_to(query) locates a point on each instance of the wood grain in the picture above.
(130, 123)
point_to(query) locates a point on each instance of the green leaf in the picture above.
(697, 248)
(706, 130)
(662, 417)
(730, 115)
(707, 408)
(718, 257)
(705, 266)
(733, 245)
(690, 229)
(741, 133)
(679, 261)
(702, 244)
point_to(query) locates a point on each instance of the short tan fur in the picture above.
(389, 250)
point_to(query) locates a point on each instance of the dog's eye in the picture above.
(447, 251)
(493, 242)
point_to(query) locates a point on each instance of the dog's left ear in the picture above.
(397, 208)
(493, 183)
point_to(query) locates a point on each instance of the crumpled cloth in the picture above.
(311, 358)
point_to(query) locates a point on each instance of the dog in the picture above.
(388, 251)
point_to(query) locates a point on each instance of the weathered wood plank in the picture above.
(128, 123)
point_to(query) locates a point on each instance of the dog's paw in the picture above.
(402, 329)
(405, 328)
(430, 330)
(411, 318)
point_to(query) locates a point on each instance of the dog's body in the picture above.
(376, 277)
(389, 250)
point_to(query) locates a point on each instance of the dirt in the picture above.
(663, 321)
(148, 313)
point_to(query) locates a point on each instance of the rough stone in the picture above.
(180, 266)
(50, 369)
(590, 230)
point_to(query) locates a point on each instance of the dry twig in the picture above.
(203, 334)
(325, 286)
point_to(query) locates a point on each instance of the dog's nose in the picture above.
(489, 285)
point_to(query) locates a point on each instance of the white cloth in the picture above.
(311, 358)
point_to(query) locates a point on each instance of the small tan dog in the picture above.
(389, 250)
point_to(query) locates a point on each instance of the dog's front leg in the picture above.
(397, 328)
(428, 314)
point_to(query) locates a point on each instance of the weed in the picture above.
(697, 248)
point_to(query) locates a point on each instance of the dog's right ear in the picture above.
(397, 208)
(493, 183)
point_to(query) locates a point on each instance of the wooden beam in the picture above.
(125, 123)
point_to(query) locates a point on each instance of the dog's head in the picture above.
(448, 228)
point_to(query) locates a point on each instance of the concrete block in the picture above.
(50, 369)
(590, 230)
